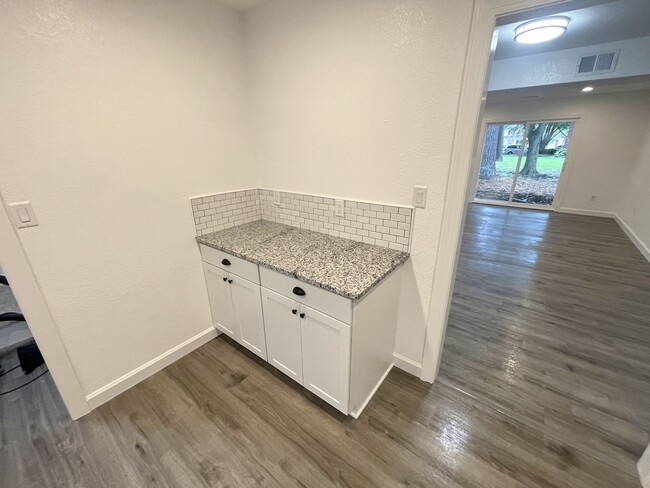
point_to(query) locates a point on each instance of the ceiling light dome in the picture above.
(541, 30)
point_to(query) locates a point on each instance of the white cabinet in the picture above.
(282, 324)
(236, 308)
(223, 313)
(339, 349)
(310, 347)
(326, 357)
(247, 304)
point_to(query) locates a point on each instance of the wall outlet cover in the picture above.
(277, 200)
(420, 196)
(339, 208)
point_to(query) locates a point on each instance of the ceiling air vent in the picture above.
(597, 63)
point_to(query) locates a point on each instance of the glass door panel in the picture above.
(499, 161)
(542, 162)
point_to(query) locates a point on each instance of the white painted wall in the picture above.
(113, 113)
(604, 148)
(359, 100)
(634, 205)
(560, 66)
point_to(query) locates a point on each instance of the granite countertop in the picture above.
(342, 266)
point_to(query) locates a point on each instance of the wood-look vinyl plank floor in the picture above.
(221, 417)
(549, 323)
(535, 391)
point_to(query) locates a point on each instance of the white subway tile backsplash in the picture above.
(382, 225)
(224, 210)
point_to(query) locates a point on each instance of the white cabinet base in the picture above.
(355, 413)
(374, 325)
(223, 315)
(236, 308)
(283, 342)
(340, 350)
(326, 357)
(247, 304)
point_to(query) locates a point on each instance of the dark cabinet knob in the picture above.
(225, 279)
(294, 311)
(302, 315)
(229, 281)
(299, 291)
(225, 262)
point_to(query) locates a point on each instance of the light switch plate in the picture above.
(22, 214)
(420, 196)
(339, 208)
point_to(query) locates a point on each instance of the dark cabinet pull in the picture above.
(225, 262)
(299, 291)
(225, 279)
(302, 315)
(229, 281)
(294, 311)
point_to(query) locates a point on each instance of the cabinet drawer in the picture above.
(324, 301)
(230, 263)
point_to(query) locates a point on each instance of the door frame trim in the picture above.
(471, 105)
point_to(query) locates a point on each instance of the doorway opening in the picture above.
(521, 163)
(21, 362)
(537, 296)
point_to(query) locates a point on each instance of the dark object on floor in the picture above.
(30, 357)
(12, 317)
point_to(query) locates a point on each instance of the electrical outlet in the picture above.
(419, 196)
(276, 198)
(339, 208)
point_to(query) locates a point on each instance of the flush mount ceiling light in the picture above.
(541, 30)
(588, 89)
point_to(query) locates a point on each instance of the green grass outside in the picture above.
(549, 165)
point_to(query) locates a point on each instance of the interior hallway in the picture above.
(222, 417)
(550, 324)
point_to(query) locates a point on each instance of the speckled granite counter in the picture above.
(342, 266)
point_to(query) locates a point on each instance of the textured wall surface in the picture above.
(113, 113)
(359, 100)
(634, 204)
(560, 66)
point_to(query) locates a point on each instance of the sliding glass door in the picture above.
(521, 163)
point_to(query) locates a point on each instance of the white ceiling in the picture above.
(242, 4)
(612, 85)
(596, 24)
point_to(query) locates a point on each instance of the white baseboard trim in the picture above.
(132, 378)
(356, 413)
(580, 211)
(406, 364)
(640, 245)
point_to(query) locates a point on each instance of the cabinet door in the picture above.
(223, 316)
(247, 303)
(282, 324)
(326, 357)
